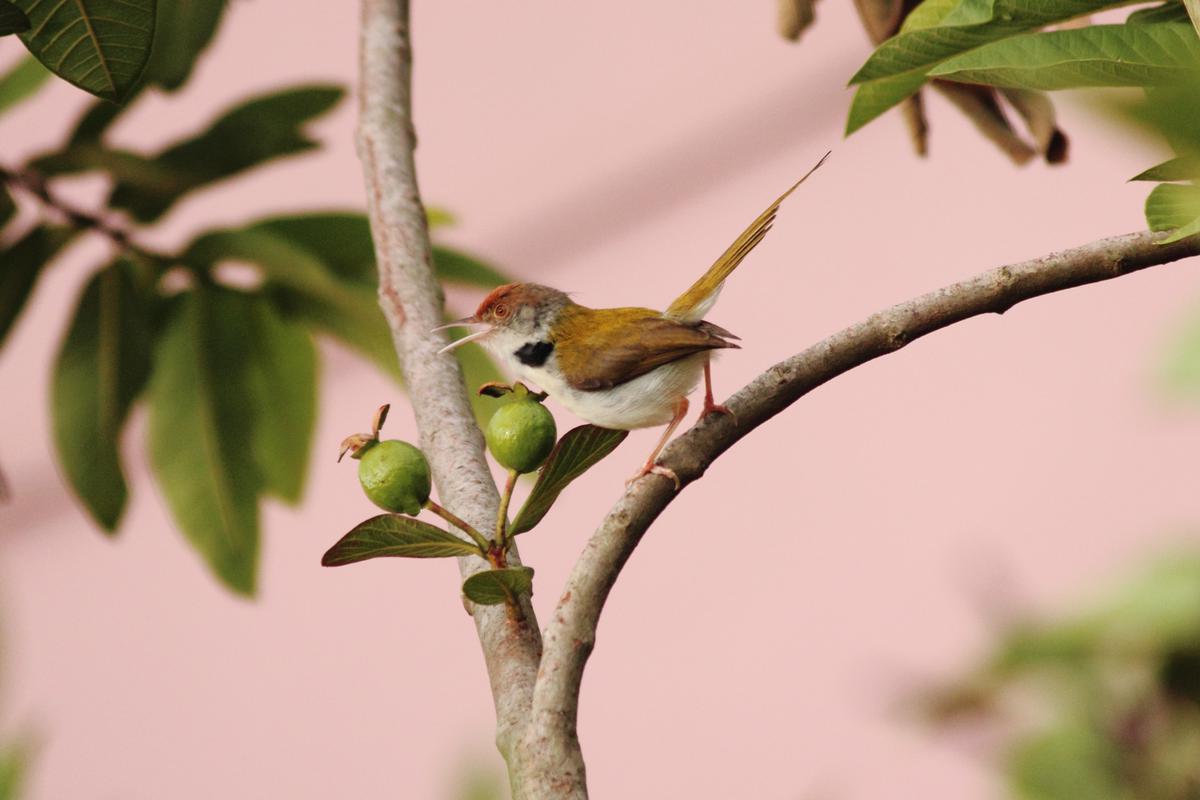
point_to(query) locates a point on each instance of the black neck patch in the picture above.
(534, 354)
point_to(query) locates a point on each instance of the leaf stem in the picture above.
(462, 525)
(502, 514)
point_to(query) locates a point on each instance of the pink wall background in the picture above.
(850, 549)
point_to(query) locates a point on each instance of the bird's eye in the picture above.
(500, 311)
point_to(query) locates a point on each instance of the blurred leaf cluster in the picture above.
(983, 54)
(1104, 705)
(1016, 49)
(215, 337)
(989, 109)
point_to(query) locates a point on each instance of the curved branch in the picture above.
(569, 637)
(411, 298)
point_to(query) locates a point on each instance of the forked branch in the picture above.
(571, 633)
(411, 298)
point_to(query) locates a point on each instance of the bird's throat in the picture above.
(534, 354)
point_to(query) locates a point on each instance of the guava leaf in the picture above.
(576, 452)
(200, 430)
(101, 46)
(101, 369)
(392, 535)
(492, 587)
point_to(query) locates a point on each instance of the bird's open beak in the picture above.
(462, 323)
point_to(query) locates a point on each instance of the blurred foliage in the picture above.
(13, 758)
(474, 782)
(979, 51)
(226, 363)
(1104, 704)
(988, 109)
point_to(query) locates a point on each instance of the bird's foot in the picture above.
(656, 469)
(717, 408)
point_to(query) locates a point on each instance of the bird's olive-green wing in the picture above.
(695, 302)
(602, 348)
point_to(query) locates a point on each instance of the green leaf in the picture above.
(312, 272)
(492, 587)
(182, 32)
(101, 369)
(12, 19)
(1173, 206)
(200, 430)
(900, 65)
(21, 82)
(282, 379)
(100, 46)
(1176, 169)
(93, 124)
(280, 261)
(873, 98)
(458, 267)
(20, 266)
(340, 240)
(439, 217)
(576, 452)
(1167, 12)
(1181, 364)
(13, 760)
(1070, 762)
(352, 316)
(1099, 55)
(251, 134)
(949, 12)
(391, 535)
(923, 48)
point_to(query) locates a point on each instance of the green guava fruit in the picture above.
(521, 434)
(395, 476)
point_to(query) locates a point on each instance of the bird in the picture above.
(617, 368)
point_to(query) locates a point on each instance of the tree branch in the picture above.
(550, 742)
(35, 184)
(412, 300)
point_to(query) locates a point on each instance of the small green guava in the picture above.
(394, 475)
(521, 435)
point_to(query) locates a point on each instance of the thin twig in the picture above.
(568, 639)
(35, 185)
(502, 514)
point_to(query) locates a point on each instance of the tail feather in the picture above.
(699, 298)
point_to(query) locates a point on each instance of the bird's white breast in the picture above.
(646, 401)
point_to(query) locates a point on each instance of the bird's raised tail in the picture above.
(692, 305)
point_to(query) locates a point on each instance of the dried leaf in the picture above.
(981, 107)
(793, 16)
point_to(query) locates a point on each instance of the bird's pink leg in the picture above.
(709, 406)
(681, 407)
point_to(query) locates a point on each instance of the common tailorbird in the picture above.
(620, 368)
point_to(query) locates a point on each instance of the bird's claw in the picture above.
(717, 408)
(656, 469)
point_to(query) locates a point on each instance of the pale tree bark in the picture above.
(536, 678)
(412, 302)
